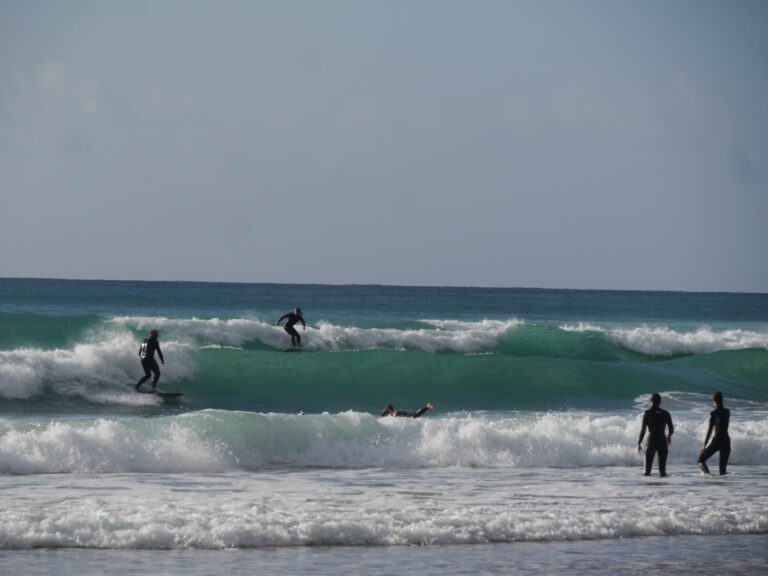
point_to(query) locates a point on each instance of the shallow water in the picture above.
(324, 507)
(725, 555)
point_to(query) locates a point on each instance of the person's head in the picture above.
(655, 399)
(297, 311)
(388, 411)
(717, 399)
(153, 334)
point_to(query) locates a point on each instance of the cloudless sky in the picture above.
(560, 144)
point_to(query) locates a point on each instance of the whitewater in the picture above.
(530, 451)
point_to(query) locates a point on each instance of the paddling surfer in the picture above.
(391, 411)
(147, 354)
(291, 319)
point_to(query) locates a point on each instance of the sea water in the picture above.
(279, 460)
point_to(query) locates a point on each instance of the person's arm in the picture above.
(709, 431)
(160, 353)
(642, 433)
(283, 317)
(302, 322)
(671, 428)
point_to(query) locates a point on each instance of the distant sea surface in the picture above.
(528, 461)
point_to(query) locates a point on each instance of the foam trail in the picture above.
(446, 335)
(452, 336)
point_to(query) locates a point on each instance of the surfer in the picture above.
(721, 441)
(390, 411)
(147, 354)
(293, 318)
(656, 420)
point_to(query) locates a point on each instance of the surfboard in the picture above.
(162, 394)
(293, 349)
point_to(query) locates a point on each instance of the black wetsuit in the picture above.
(719, 419)
(293, 319)
(656, 420)
(148, 362)
(390, 411)
(409, 414)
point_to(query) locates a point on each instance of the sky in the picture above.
(556, 144)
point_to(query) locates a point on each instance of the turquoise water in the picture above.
(67, 345)
(538, 399)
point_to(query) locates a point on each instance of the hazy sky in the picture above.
(561, 144)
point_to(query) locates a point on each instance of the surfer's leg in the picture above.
(420, 411)
(725, 453)
(663, 452)
(147, 375)
(295, 338)
(156, 371)
(704, 456)
(650, 452)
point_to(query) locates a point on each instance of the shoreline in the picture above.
(744, 554)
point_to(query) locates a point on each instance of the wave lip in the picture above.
(663, 341)
(445, 335)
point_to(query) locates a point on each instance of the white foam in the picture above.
(373, 507)
(232, 332)
(581, 327)
(664, 341)
(104, 445)
(218, 440)
(99, 368)
(454, 336)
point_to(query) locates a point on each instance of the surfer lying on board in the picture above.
(293, 318)
(390, 411)
(148, 362)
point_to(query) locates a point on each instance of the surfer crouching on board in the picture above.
(390, 411)
(293, 318)
(148, 362)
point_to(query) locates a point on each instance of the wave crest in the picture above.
(664, 341)
(212, 440)
(445, 335)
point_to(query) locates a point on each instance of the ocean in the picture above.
(279, 462)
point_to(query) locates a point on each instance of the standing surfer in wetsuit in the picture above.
(721, 441)
(390, 411)
(148, 362)
(656, 420)
(293, 318)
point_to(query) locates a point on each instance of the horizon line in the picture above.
(382, 285)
